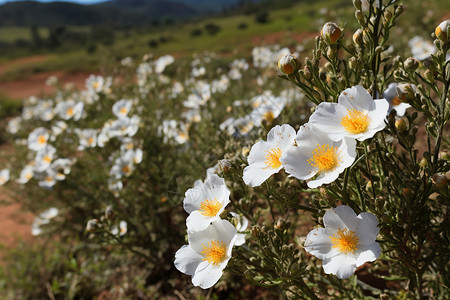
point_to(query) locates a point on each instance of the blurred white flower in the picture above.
(121, 108)
(38, 138)
(390, 94)
(70, 110)
(242, 224)
(122, 230)
(421, 48)
(4, 176)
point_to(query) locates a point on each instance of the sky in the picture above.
(74, 1)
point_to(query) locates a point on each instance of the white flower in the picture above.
(49, 179)
(162, 62)
(42, 219)
(122, 230)
(87, 138)
(205, 202)
(241, 226)
(122, 108)
(44, 157)
(38, 138)
(14, 125)
(70, 110)
(26, 174)
(316, 153)
(62, 167)
(264, 158)
(421, 48)
(4, 176)
(346, 242)
(356, 115)
(390, 94)
(207, 254)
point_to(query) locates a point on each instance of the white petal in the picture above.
(193, 198)
(340, 217)
(281, 136)
(207, 275)
(318, 243)
(187, 260)
(256, 173)
(198, 222)
(367, 228)
(357, 98)
(295, 163)
(343, 266)
(327, 117)
(368, 253)
(324, 178)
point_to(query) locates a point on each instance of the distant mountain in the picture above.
(110, 13)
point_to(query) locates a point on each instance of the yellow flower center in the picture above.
(49, 179)
(123, 110)
(325, 158)
(215, 252)
(269, 116)
(273, 158)
(69, 111)
(345, 241)
(42, 139)
(95, 85)
(28, 176)
(210, 208)
(47, 158)
(126, 169)
(90, 140)
(355, 121)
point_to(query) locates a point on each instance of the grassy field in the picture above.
(288, 23)
(302, 18)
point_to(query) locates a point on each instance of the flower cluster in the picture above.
(211, 239)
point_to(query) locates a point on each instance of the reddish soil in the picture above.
(15, 223)
(35, 84)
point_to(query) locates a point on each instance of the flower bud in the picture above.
(358, 37)
(429, 76)
(109, 213)
(399, 10)
(411, 64)
(224, 165)
(353, 63)
(255, 231)
(93, 225)
(357, 4)
(387, 16)
(307, 73)
(400, 124)
(397, 61)
(245, 151)
(279, 225)
(406, 92)
(360, 17)
(330, 33)
(439, 180)
(442, 31)
(378, 50)
(288, 64)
